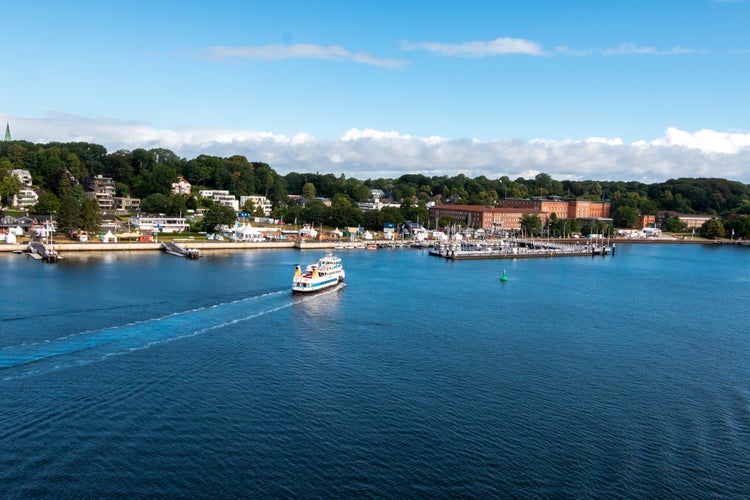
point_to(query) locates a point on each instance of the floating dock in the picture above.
(518, 249)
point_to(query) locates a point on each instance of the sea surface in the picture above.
(147, 375)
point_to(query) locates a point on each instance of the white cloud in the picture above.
(496, 47)
(372, 153)
(508, 46)
(632, 48)
(299, 51)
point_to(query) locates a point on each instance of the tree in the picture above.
(248, 206)
(315, 212)
(739, 226)
(308, 191)
(672, 224)
(155, 203)
(712, 228)
(91, 218)
(46, 204)
(625, 217)
(531, 224)
(9, 185)
(69, 218)
(218, 215)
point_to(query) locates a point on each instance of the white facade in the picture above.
(258, 201)
(160, 224)
(23, 175)
(221, 197)
(25, 198)
(181, 186)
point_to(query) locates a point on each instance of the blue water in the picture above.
(150, 375)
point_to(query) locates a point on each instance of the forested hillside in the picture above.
(148, 175)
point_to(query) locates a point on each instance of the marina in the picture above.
(519, 249)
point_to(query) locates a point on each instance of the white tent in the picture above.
(10, 238)
(109, 237)
(308, 232)
(248, 233)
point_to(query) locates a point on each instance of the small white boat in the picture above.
(324, 274)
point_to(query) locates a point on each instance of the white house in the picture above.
(222, 197)
(258, 201)
(181, 186)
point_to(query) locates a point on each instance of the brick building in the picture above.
(507, 215)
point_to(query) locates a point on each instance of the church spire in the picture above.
(7, 131)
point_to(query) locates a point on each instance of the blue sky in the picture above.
(608, 90)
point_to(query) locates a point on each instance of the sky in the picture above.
(604, 90)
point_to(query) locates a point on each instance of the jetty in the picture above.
(40, 251)
(180, 251)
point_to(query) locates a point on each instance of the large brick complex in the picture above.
(508, 213)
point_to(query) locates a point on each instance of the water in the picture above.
(149, 375)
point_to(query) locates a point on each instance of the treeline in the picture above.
(58, 170)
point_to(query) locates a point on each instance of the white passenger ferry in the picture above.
(324, 274)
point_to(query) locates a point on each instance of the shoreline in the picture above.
(310, 244)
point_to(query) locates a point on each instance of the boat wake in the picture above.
(89, 346)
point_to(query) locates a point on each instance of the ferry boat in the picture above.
(324, 274)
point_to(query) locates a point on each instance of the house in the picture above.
(25, 198)
(222, 197)
(23, 175)
(182, 186)
(102, 189)
(259, 201)
(125, 204)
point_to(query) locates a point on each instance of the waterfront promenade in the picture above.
(204, 245)
(200, 245)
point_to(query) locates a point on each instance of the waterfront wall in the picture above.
(134, 246)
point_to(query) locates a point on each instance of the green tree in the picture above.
(625, 216)
(672, 224)
(9, 185)
(69, 218)
(46, 204)
(531, 224)
(90, 218)
(315, 212)
(712, 228)
(155, 203)
(739, 225)
(218, 215)
(248, 206)
(308, 191)
(177, 204)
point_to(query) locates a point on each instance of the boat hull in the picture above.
(315, 287)
(323, 275)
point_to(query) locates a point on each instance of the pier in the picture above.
(518, 249)
(40, 251)
(180, 251)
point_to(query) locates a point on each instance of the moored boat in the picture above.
(326, 273)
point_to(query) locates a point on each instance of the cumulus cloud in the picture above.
(299, 51)
(369, 153)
